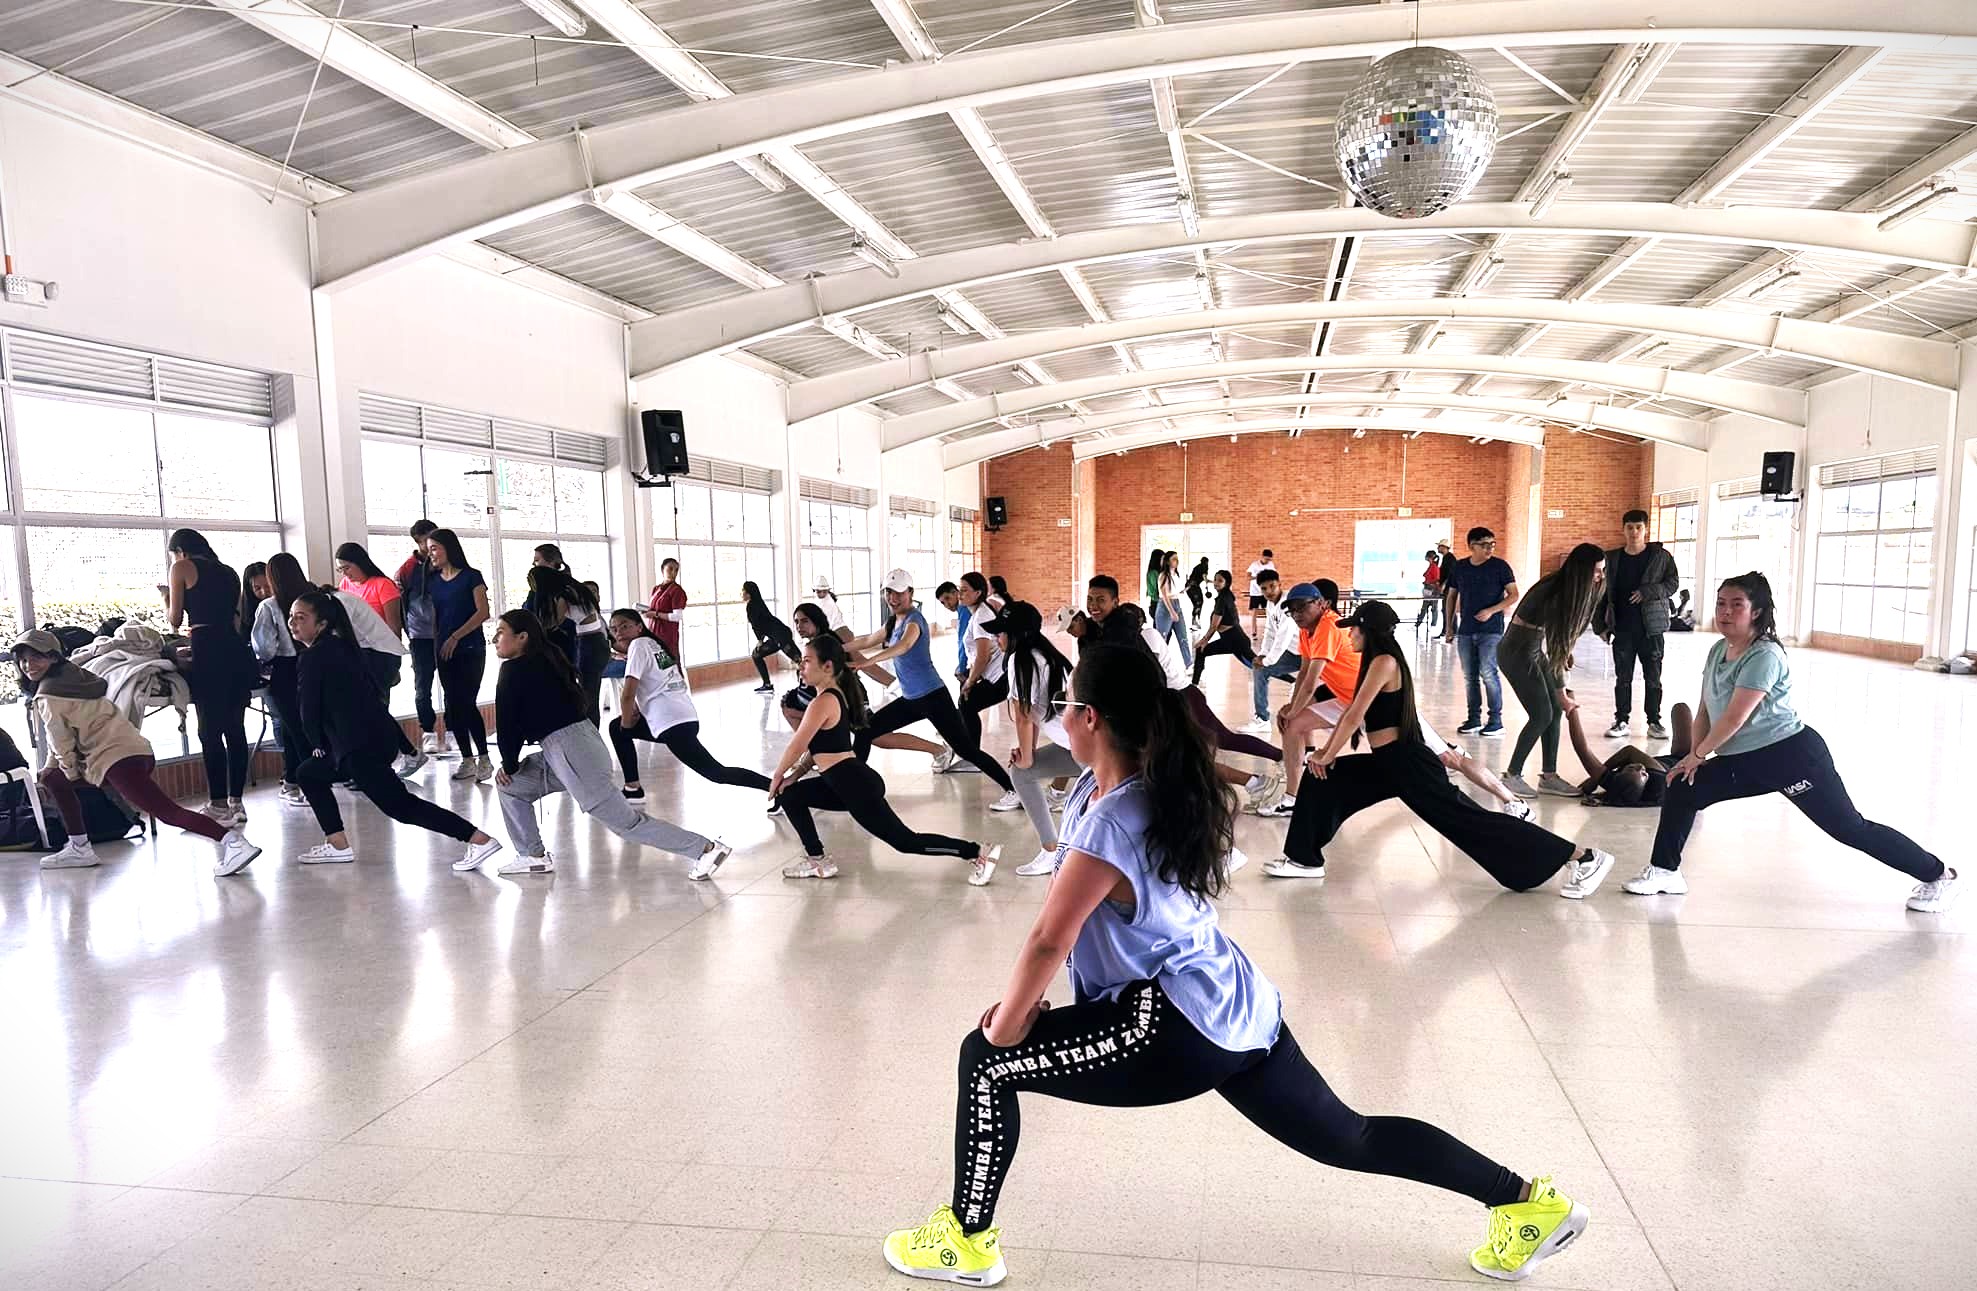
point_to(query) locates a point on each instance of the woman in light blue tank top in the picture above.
(1167, 1006)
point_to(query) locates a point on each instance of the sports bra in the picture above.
(1383, 712)
(835, 738)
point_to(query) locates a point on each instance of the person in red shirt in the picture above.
(1431, 592)
(1326, 678)
(667, 608)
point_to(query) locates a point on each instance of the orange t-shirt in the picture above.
(1330, 642)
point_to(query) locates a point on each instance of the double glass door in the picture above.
(1193, 541)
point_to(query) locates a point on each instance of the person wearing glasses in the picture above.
(1480, 590)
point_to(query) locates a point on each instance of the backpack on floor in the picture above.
(104, 817)
(17, 831)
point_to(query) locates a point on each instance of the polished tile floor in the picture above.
(392, 1076)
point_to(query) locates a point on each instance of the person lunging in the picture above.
(656, 705)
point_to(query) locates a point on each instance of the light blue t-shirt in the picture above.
(1168, 936)
(915, 668)
(1763, 667)
(962, 614)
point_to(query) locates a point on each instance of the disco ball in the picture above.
(1416, 133)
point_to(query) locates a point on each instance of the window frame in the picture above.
(860, 607)
(1831, 616)
(721, 617)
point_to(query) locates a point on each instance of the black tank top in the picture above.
(212, 600)
(835, 738)
(1383, 713)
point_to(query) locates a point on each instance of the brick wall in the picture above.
(1594, 481)
(1033, 552)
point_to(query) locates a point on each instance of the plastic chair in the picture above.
(26, 777)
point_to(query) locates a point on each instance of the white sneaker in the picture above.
(1928, 898)
(1654, 881)
(710, 860)
(943, 759)
(1235, 860)
(1518, 785)
(1285, 868)
(982, 868)
(1278, 810)
(229, 815)
(1617, 731)
(1044, 862)
(1516, 807)
(1057, 798)
(1557, 785)
(1656, 731)
(811, 867)
(484, 768)
(429, 744)
(326, 854)
(1261, 726)
(1010, 801)
(476, 853)
(236, 853)
(291, 795)
(469, 769)
(408, 765)
(518, 865)
(1584, 873)
(76, 854)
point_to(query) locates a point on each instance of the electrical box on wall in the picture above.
(18, 289)
(1554, 514)
(1187, 517)
(1404, 512)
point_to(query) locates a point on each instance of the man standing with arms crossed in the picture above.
(1633, 615)
(1480, 590)
(1276, 659)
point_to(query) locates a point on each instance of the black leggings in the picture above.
(221, 680)
(460, 679)
(769, 647)
(1801, 768)
(854, 787)
(1521, 658)
(1141, 1051)
(1228, 641)
(936, 708)
(1516, 853)
(376, 780)
(983, 695)
(593, 653)
(683, 741)
(287, 705)
(383, 670)
(1221, 736)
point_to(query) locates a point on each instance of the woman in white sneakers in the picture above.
(92, 741)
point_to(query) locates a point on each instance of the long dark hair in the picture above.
(831, 652)
(1763, 606)
(524, 624)
(326, 607)
(1192, 826)
(353, 553)
(752, 592)
(1574, 594)
(285, 576)
(249, 602)
(1000, 586)
(637, 620)
(977, 584)
(550, 552)
(546, 581)
(190, 542)
(815, 613)
(1156, 562)
(456, 555)
(1030, 651)
(1378, 640)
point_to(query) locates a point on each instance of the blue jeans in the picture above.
(1284, 668)
(1478, 650)
(1169, 624)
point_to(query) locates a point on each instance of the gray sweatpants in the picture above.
(575, 761)
(1048, 762)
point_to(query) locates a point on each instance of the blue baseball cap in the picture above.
(1302, 592)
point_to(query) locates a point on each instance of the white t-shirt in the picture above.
(833, 614)
(1169, 655)
(372, 632)
(663, 699)
(993, 672)
(1256, 567)
(1279, 632)
(1049, 720)
(576, 617)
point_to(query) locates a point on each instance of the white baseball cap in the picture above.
(821, 583)
(898, 580)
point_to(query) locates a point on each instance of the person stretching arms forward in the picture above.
(1167, 1007)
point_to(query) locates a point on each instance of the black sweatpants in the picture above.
(1516, 853)
(1627, 647)
(376, 780)
(983, 695)
(769, 647)
(1800, 767)
(683, 741)
(460, 679)
(936, 708)
(425, 665)
(853, 787)
(1228, 641)
(1141, 1051)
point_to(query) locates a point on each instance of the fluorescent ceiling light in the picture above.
(1772, 284)
(951, 320)
(1921, 205)
(1491, 268)
(1190, 217)
(871, 255)
(1652, 349)
(560, 16)
(1204, 290)
(1548, 193)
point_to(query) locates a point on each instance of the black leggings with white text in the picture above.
(1140, 1051)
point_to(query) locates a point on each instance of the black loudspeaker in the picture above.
(1776, 479)
(997, 509)
(665, 441)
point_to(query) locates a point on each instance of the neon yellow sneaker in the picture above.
(1525, 1234)
(938, 1249)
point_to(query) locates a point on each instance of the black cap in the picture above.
(1018, 619)
(1377, 615)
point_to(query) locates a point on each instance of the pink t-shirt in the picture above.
(377, 592)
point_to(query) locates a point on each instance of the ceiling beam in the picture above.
(740, 320)
(1501, 431)
(1767, 403)
(1812, 98)
(369, 230)
(1922, 362)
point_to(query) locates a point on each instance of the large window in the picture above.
(1673, 525)
(106, 452)
(1876, 552)
(720, 525)
(1750, 531)
(912, 540)
(964, 541)
(837, 541)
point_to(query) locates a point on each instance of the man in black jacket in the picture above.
(1633, 615)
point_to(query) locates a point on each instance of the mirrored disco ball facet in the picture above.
(1416, 133)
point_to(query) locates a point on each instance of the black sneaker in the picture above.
(633, 793)
(1494, 728)
(765, 689)
(1470, 727)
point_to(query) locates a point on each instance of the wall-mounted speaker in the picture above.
(1775, 481)
(665, 441)
(997, 511)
